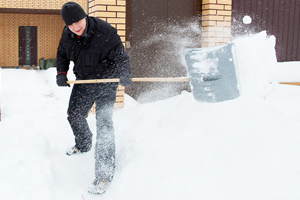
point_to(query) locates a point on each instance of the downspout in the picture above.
(87, 6)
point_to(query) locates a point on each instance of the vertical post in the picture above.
(216, 22)
(113, 12)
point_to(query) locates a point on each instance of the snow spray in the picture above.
(160, 54)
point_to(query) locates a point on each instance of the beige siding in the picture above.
(49, 28)
(38, 4)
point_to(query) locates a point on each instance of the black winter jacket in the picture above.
(99, 55)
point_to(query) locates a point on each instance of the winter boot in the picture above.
(72, 151)
(97, 187)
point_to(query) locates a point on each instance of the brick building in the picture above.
(30, 30)
(44, 16)
(43, 24)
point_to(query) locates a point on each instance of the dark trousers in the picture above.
(82, 98)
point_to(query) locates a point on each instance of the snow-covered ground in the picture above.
(178, 148)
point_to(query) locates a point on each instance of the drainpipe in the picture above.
(87, 6)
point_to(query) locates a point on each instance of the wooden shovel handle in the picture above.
(176, 79)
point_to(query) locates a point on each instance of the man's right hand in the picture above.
(61, 80)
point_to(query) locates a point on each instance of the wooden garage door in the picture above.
(280, 18)
(153, 27)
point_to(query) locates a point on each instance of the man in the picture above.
(97, 52)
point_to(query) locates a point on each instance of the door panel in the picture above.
(155, 31)
(22, 48)
(179, 10)
(280, 18)
(33, 45)
(27, 45)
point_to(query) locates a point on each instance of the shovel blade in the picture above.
(212, 73)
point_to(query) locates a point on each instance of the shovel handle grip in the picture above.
(176, 79)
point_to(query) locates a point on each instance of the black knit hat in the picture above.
(72, 12)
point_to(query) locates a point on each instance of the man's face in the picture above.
(78, 27)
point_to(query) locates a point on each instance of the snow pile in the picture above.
(288, 73)
(247, 148)
(25, 165)
(257, 62)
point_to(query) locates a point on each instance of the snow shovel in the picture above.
(176, 79)
(211, 73)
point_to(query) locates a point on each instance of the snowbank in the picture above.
(288, 72)
(257, 62)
